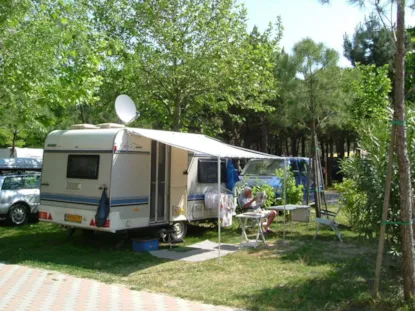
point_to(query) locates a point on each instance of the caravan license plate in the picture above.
(73, 218)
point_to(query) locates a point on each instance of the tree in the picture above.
(250, 104)
(184, 61)
(316, 65)
(49, 59)
(406, 203)
(371, 44)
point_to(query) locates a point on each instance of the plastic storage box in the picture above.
(145, 245)
(301, 215)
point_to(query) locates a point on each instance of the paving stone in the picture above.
(23, 288)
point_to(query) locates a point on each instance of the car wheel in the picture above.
(180, 230)
(18, 214)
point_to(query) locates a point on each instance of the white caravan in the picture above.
(34, 153)
(153, 178)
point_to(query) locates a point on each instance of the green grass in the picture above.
(303, 274)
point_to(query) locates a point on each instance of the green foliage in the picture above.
(185, 62)
(49, 59)
(269, 191)
(370, 94)
(354, 202)
(318, 97)
(371, 44)
(364, 185)
(294, 194)
(367, 175)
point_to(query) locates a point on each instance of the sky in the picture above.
(308, 18)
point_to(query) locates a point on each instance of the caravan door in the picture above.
(179, 184)
(160, 182)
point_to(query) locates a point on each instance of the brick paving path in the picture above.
(23, 288)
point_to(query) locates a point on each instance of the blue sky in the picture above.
(308, 18)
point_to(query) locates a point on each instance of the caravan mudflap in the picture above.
(78, 218)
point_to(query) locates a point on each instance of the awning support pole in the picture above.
(219, 197)
(285, 195)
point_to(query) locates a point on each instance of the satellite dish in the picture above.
(125, 109)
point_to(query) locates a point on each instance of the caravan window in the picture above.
(207, 171)
(83, 166)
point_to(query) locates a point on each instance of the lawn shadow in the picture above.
(336, 291)
(49, 245)
(346, 282)
(348, 287)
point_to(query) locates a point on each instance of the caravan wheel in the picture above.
(180, 230)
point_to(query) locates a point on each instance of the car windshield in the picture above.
(263, 167)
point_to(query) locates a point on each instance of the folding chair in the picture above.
(328, 218)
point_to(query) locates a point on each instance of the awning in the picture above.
(200, 143)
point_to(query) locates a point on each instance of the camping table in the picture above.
(290, 208)
(257, 217)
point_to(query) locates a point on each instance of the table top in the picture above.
(288, 207)
(251, 215)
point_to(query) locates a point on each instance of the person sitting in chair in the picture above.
(250, 203)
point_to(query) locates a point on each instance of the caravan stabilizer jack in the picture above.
(167, 233)
(71, 231)
(123, 239)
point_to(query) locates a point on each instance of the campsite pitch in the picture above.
(302, 274)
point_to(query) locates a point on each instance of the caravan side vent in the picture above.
(111, 125)
(84, 126)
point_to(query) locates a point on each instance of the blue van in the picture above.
(260, 171)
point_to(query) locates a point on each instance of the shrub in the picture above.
(364, 185)
(269, 191)
(294, 194)
(353, 200)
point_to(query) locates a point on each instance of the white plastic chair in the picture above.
(328, 218)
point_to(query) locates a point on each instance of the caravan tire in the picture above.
(180, 230)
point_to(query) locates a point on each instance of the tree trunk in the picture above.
(340, 147)
(348, 147)
(317, 175)
(328, 168)
(294, 146)
(264, 136)
(83, 114)
(331, 158)
(13, 149)
(287, 149)
(403, 158)
(309, 171)
(277, 145)
(176, 116)
(246, 136)
(386, 198)
(303, 146)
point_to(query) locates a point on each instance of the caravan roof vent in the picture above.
(111, 125)
(84, 126)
